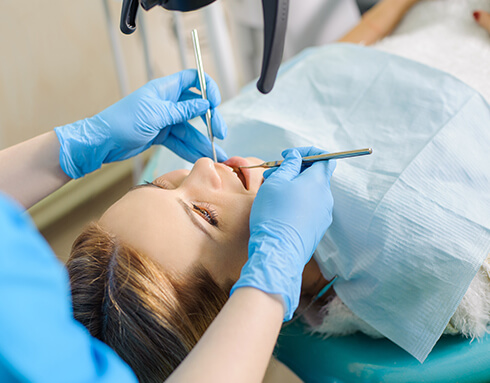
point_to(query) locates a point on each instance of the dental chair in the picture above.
(358, 358)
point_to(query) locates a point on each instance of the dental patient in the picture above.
(149, 285)
(408, 241)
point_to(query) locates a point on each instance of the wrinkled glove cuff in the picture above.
(275, 267)
(78, 156)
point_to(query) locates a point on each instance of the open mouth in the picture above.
(243, 174)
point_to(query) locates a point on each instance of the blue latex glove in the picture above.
(156, 113)
(290, 215)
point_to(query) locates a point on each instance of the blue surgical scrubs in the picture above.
(40, 341)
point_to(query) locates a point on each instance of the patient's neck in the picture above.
(313, 280)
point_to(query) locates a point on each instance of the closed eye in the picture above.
(206, 212)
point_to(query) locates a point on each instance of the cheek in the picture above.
(236, 248)
(240, 218)
(233, 245)
(236, 222)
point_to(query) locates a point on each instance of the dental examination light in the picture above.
(275, 21)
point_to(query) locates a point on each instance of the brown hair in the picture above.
(151, 318)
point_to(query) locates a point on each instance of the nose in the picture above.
(205, 174)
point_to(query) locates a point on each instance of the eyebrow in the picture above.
(145, 184)
(190, 213)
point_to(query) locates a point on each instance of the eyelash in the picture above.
(207, 212)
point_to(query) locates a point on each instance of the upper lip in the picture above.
(243, 174)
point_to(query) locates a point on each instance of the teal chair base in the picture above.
(358, 358)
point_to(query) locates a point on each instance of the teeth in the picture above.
(240, 176)
(230, 168)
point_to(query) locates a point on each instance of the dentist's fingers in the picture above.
(190, 79)
(220, 130)
(290, 167)
(190, 144)
(304, 151)
(218, 125)
(483, 19)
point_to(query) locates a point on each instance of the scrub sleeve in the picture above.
(40, 341)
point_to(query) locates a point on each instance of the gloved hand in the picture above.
(289, 216)
(156, 113)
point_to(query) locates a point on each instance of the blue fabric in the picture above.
(360, 359)
(39, 339)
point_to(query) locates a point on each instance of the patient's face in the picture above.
(188, 217)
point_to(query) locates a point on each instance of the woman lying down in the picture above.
(411, 223)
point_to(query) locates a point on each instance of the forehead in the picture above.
(155, 223)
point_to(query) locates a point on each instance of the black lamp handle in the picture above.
(275, 23)
(128, 16)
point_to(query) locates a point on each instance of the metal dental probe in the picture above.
(312, 159)
(202, 82)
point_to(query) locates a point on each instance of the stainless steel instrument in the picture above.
(202, 82)
(322, 157)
